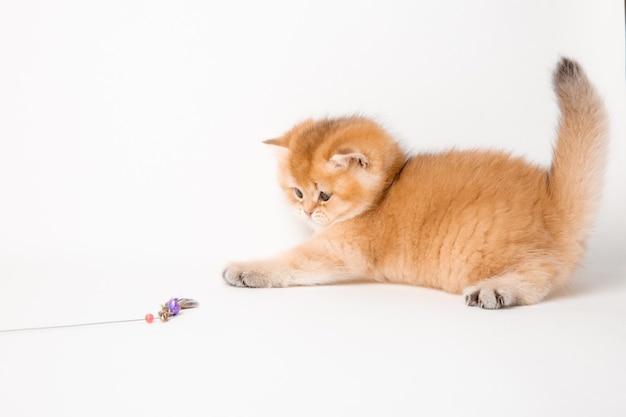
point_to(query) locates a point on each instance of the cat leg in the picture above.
(316, 262)
(510, 289)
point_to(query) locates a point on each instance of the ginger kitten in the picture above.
(495, 228)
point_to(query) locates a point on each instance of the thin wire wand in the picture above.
(168, 310)
(63, 326)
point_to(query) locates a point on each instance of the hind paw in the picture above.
(487, 298)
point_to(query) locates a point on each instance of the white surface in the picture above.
(131, 170)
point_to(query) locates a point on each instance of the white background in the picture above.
(132, 170)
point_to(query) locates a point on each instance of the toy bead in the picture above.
(173, 306)
(149, 318)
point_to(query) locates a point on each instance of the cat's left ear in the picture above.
(342, 161)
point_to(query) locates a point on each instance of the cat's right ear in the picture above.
(277, 142)
(280, 149)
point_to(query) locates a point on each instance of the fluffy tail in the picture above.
(575, 179)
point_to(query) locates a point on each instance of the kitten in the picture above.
(498, 230)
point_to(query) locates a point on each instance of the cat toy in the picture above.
(168, 310)
(172, 308)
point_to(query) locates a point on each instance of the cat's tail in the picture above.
(576, 176)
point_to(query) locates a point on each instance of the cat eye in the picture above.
(298, 193)
(324, 196)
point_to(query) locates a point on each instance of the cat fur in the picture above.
(492, 227)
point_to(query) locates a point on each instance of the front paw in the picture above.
(246, 275)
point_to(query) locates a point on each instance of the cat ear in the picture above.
(277, 142)
(344, 160)
(280, 148)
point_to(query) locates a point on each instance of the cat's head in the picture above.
(334, 169)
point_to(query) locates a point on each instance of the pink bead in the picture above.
(149, 318)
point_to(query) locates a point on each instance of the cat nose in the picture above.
(308, 213)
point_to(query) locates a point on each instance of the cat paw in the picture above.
(240, 275)
(487, 298)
